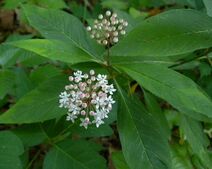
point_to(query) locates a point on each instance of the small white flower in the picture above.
(88, 98)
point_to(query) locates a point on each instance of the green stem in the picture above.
(33, 159)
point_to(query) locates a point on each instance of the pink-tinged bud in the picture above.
(83, 113)
(84, 105)
(87, 95)
(87, 120)
(92, 113)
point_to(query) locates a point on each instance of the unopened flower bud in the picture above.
(88, 28)
(105, 42)
(108, 13)
(100, 16)
(115, 40)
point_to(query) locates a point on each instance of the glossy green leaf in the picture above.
(180, 91)
(171, 33)
(7, 81)
(10, 149)
(119, 161)
(138, 130)
(55, 24)
(197, 139)
(75, 155)
(54, 49)
(43, 73)
(154, 108)
(208, 5)
(30, 134)
(38, 105)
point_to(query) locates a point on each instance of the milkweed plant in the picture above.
(125, 89)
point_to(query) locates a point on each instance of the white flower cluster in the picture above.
(108, 28)
(88, 97)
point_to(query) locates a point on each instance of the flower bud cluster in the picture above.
(88, 97)
(108, 28)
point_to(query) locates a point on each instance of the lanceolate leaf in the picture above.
(119, 161)
(180, 91)
(10, 150)
(6, 82)
(154, 108)
(143, 144)
(38, 105)
(54, 49)
(74, 155)
(55, 24)
(170, 33)
(196, 138)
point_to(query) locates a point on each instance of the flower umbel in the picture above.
(108, 28)
(88, 97)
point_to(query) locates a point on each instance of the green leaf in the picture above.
(119, 161)
(171, 33)
(180, 91)
(10, 150)
(42, 73)
(196, 138)
(118, 4)
(138, 130)
(75, 155)
(38, 105)
(55, 24)
(53, 49)
(30, 134)
(22, 83)
(51, 4)
(103, 131)
(180, 158)
(6, 82)
(154, 108)
(208, 5)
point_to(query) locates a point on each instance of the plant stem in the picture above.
(33, 159)
(108, 56)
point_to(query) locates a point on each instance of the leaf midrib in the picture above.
(141, 141)
(161, 84)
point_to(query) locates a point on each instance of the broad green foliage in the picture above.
(11, 148)
(6, 81)
(54, 49)
(154, 108)
(208, 5)
(53, 24)
(119, 161)
(178, 90)
(30, 134)
(38, 105)
(161, 70)
(136, 128)
(74, 154)
(198, 141)
(170, 33)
